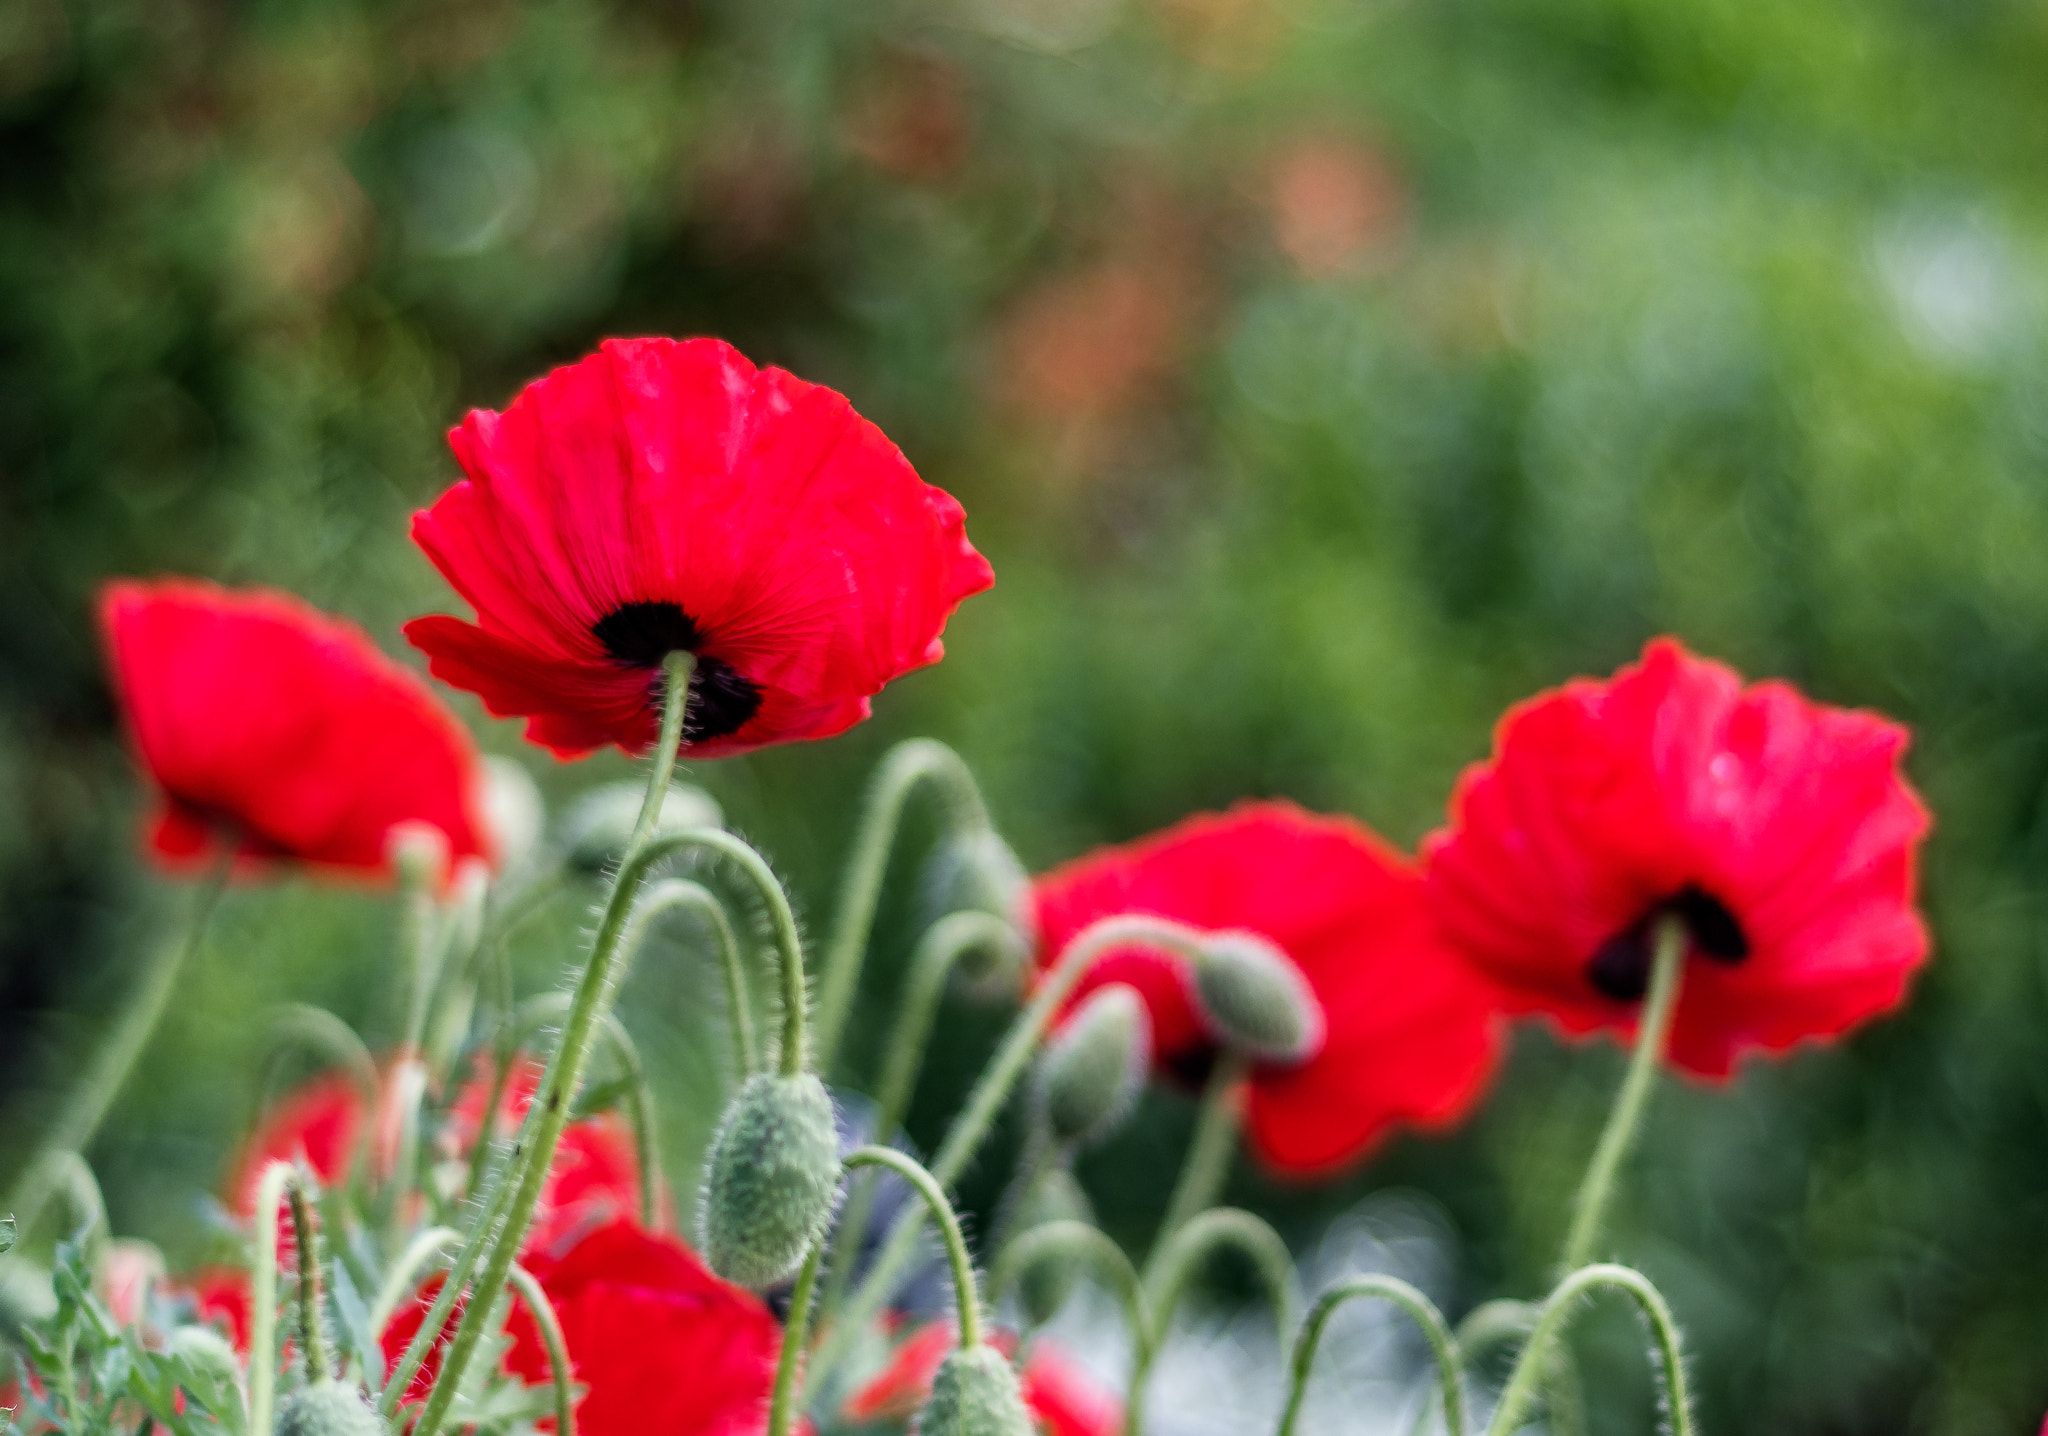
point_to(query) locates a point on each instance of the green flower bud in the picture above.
(1256, 998)
(771, 1180)
(329, 1408)
(514, 811)
(419, 851)
(1095, 1065)
(599, 824)
(975, 1394)
(1045, 1285)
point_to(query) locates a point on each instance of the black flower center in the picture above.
(642, 633)
(1621, 968)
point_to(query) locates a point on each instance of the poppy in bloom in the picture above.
(661, 496)
(276, 731)
(1409, 1033)
(1778, 831)
(1065, 1399)
(659, 1342)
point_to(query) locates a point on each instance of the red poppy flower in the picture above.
(659, 1342)
(1410, 1034)
(220, 1295)
(1779, 830)
(1065, 1399)
(282, 732)
(660, 496)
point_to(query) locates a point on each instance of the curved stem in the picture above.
(1557, 1311)
(83, 1111)
(676, 670)
(270, 1188)
(522, 1178)
(1443, 1346)
(1105, 1255)
(1175, 1262)
(997, 1081)
(944, 943)
(404, 1274)
(902, 770)
(782, 1403)
(681, 895)
(306, 1234)
(1652, 1033)
(536, 1013)
(1207, 1165)
(965, 1296)
(543, 1312)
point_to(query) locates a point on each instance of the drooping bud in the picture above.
(329, 1408)
(1256, 999)
(1095, 1065)
(975, 1393)
(771, 1180)
(515, 814)
(599, 824)
(976, 871)
(1045, 1285)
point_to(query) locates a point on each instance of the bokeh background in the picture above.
(1319, 375)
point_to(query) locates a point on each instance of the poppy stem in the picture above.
(1653, 1032)
(944, 943)
(559, 1367)
(906, 767)
(87, 1105)
(263, 1353)
(507, 1208)
(1207, 1165)
(1442, 1345)
(676, 670)
(782, 1404)
(1167, 1276)
(966, 1295)
(1558, 1309)
(682, 895)
(997, 1081)
(1093, 1245)
(306, 1232)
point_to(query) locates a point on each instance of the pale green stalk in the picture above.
(563, 1374)
(1443, 1346)
(1049, 1238)
(1207, 1164)
(1665, 1353)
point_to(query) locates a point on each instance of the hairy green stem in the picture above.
(903, 769)
(676, 670)
(1175, 1263)
(1207, 1164)
(944, 943)
(83, 1111)
(1652, 1033)
(681, 895)
(965, 1295)
(782, 1402)
(306, 1238)
(525, 1174)
(270, 1189)
(559, 1368)
(1050, 1238)
(537, 1012)
(1443, 1346)
(1557, 1310)
(404, 1274)
(971, 1127)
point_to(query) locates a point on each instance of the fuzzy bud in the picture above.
(599, 824)
(1256, 999)
(1044, 1286)
(1095, 1065)
(975, 1394)
(329, 1408)
(771, 1181)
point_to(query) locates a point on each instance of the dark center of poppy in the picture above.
(1621, 968)
(642, 633)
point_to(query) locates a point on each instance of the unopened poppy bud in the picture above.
(599, 824)
(975, 1393)
(976, 871)
(515, 814)
(329, 1408)
(1094, 1066)
(419, 851)
(772, 1178)
(1256, 998)
(1044, 1286)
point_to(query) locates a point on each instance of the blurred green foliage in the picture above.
(1319, 375)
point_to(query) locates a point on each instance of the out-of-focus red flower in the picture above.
(659, 496)
(280, 732)
(1780, 831)
(1065, 1399)
(661, 1344)
(220, 1295)
(319, 1123)
(1336, 204)
(1410, 1033)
